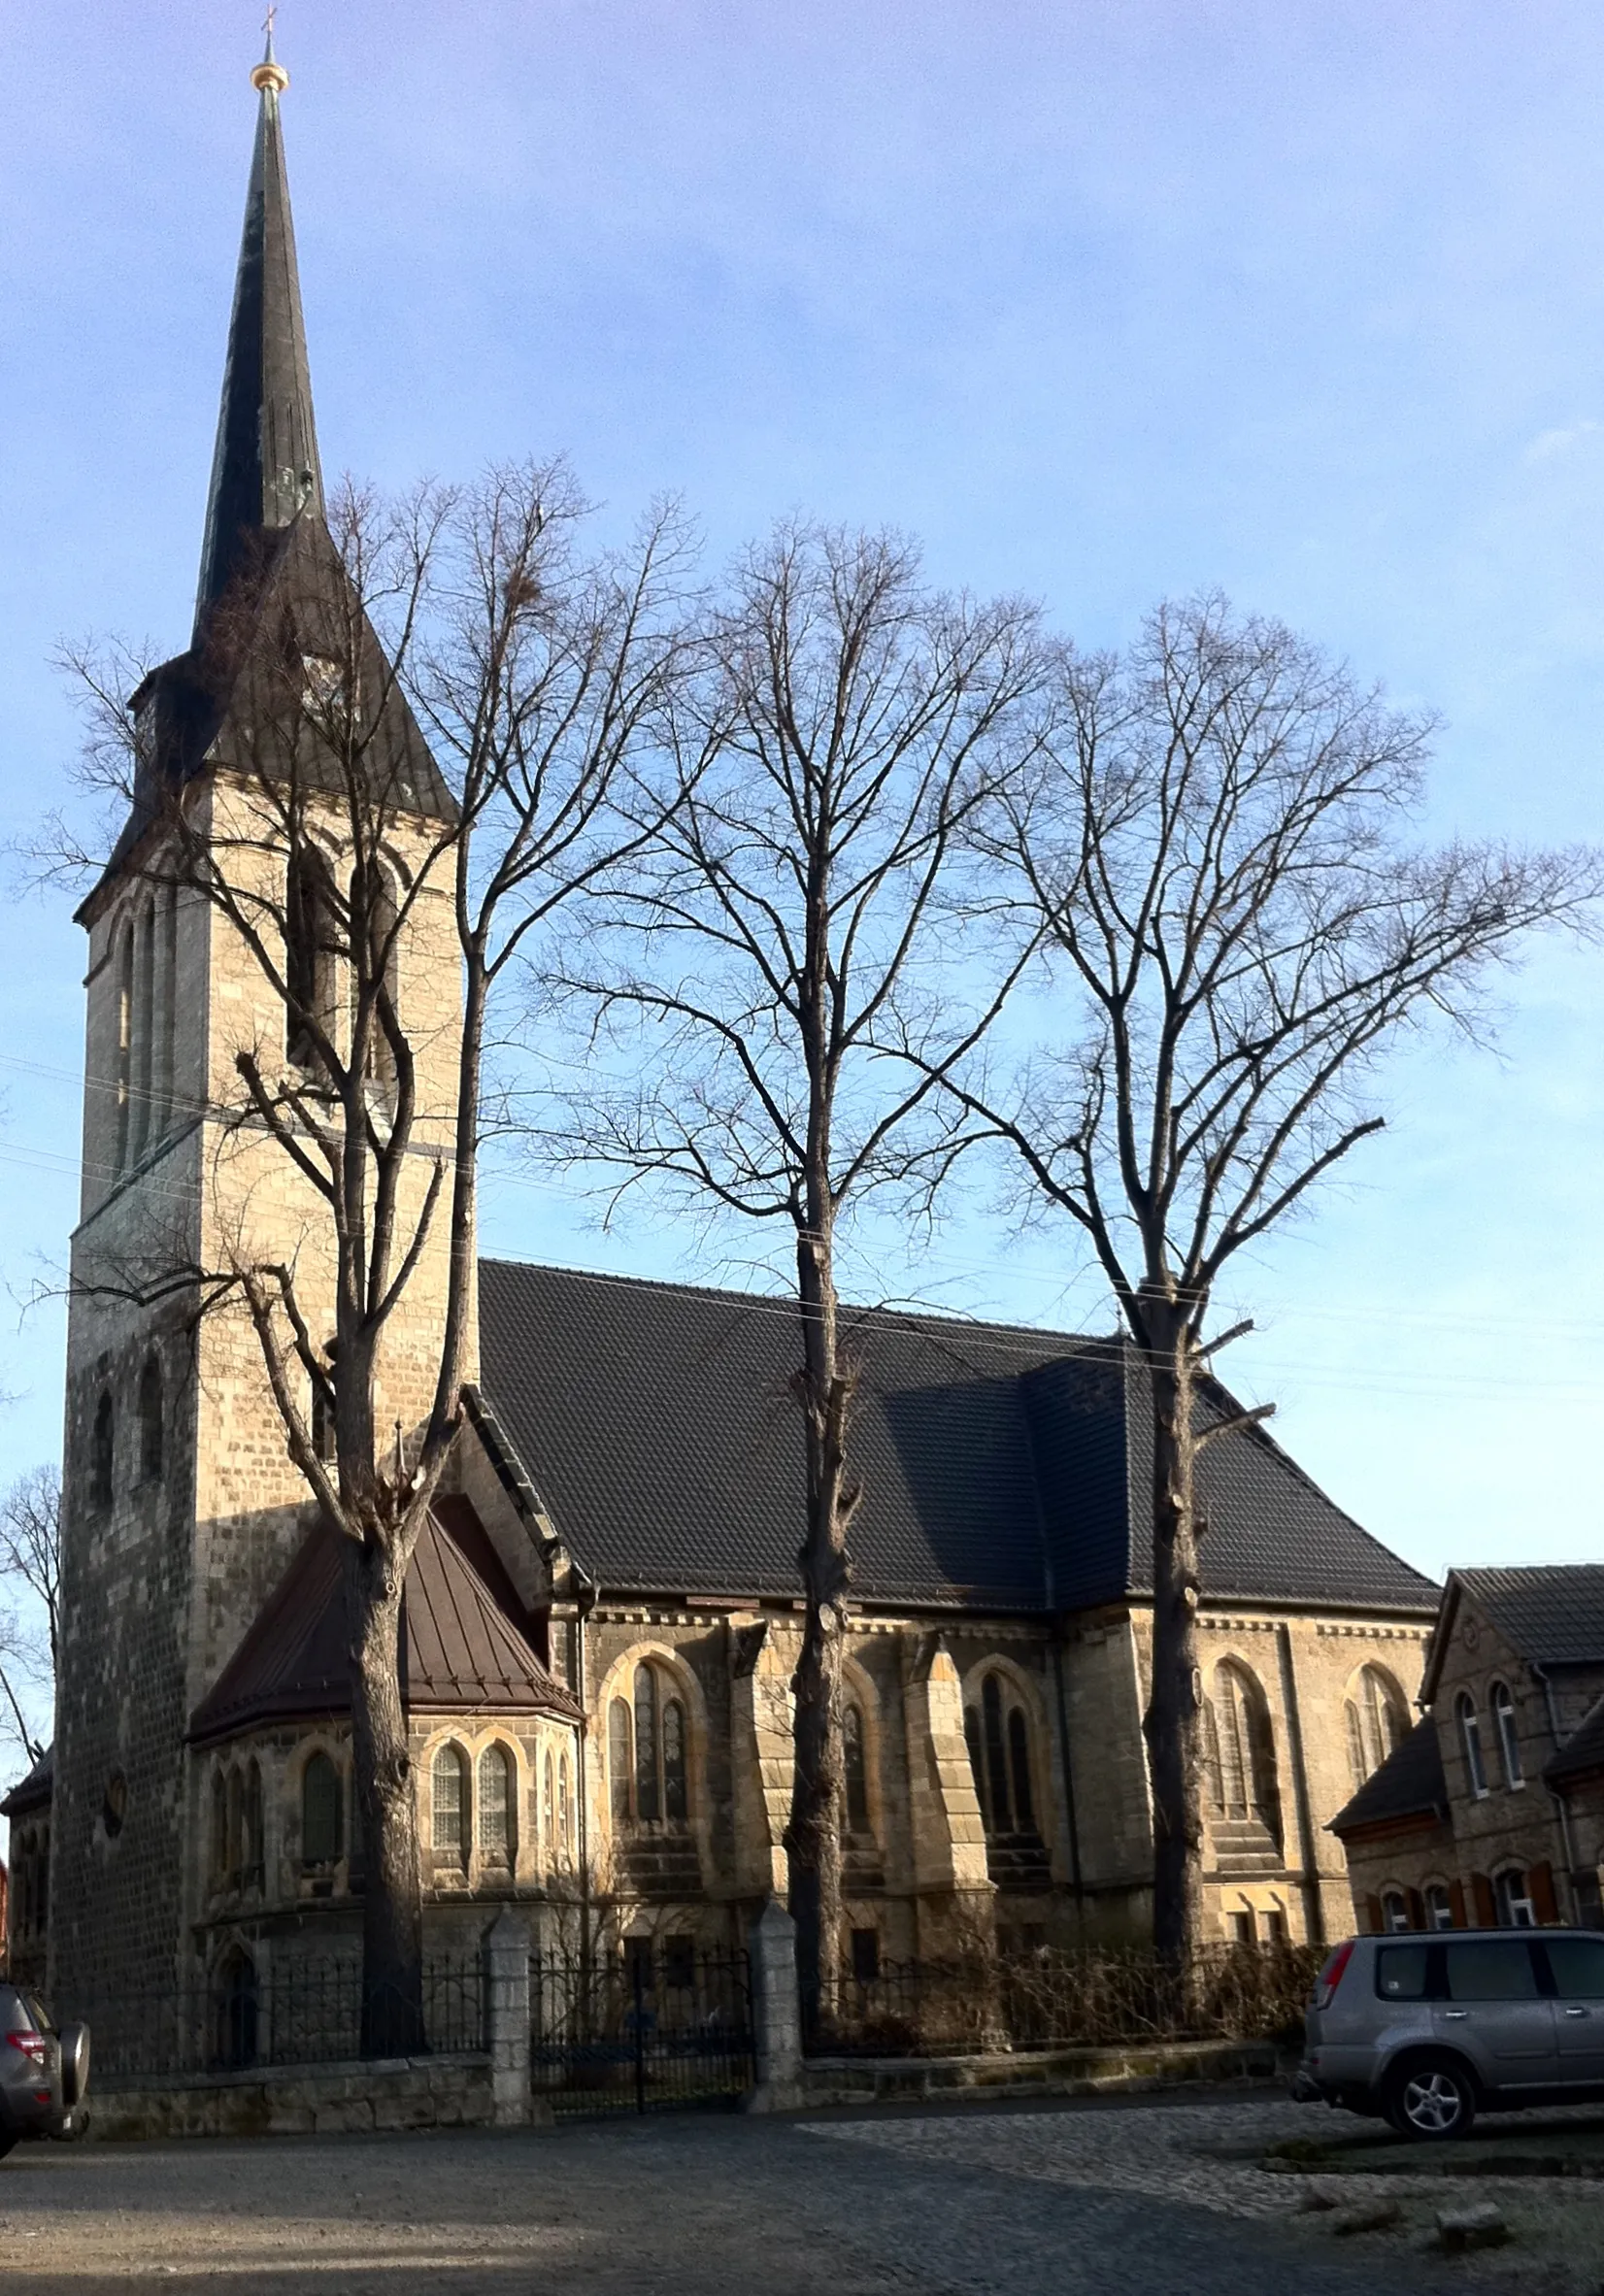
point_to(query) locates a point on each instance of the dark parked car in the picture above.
(44, 2073)
(1432, 2029)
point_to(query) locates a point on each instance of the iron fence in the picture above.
(658, 2027)
(1053, 1998)
(293, 2012)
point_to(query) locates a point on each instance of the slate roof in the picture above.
(265, 468)
(1003, 1468)
(34, 1791)
(1552, 1614)
(1409, 1783)
(462, 1646)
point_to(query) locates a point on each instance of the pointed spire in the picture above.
(265, 469)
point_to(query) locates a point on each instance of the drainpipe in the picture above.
(1314, 1913)
(1562, 1808)
(584, 1592)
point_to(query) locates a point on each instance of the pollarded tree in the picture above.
(425, 712)
(774, 967)
(1211, 850)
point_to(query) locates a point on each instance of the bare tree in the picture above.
(1211, 851)
(768, 969)
(333, 843)
(30, 1588)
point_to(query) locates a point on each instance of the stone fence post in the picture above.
(776, 2012)
(507, 2019)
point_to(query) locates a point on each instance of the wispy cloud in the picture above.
(1550, 442)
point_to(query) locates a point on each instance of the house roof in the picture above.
(1549, 1614)
(1409, 1783)
(1003, 1468)
(34, 1791)
(462, 1646)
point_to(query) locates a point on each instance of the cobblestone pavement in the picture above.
(1085, 2201)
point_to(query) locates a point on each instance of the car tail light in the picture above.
(1331, 1977)
(31, 2045)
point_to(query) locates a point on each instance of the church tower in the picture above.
(181, 1504)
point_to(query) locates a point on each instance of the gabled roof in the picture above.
(462, 1652)
(1003, 1468)
(1550, 1614)
(1409, 1783)
(34, 1791)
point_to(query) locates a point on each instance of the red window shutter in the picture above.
(1417, 1909)
(1481, 1891)
(1456, 1903)
(1543, 1904)
(1373, 1920)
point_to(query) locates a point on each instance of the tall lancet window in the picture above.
(124, 1047)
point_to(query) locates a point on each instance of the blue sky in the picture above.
(1104, 302)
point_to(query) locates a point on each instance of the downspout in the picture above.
(1562, 1808)
(584, 1593)
(1313, 1912)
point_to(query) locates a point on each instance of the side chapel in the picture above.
(602, 1619)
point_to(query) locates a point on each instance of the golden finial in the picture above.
(270, 73)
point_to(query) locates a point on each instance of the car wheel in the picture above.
(1431, 2098)
(7, 2137)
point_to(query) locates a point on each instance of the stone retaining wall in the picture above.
(301, 2100)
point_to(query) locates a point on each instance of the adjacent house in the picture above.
(1492, 1809)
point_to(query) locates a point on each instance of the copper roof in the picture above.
(464, 1646)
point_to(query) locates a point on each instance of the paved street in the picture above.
(982, 2203)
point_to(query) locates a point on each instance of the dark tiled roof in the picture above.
(1552, 1614)
(34, 1791)
(462, 1652)
(1583, 1751)
(1409, 1783)
(1002, 1467)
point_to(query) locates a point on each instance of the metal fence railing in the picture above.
(1056, 1998)
(293, 2012)
(661, 2025)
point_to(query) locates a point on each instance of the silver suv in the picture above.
(44, 2073)
(1429, 2030)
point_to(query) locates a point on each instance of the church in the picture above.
(602, 1619)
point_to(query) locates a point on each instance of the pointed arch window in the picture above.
(374, 914)
(1509, 1735)
(647, 1753)
(312, 949)
(1470, 1737)
(142, 1018)
(565, 1844)
(448, 1784)
(124, 1045)
(322, 1813)
(855, 1764)
(550, 1827)
(998, 1735)
(103, 1451)
(151, 1421)
(1377, 1721)
(1239, 1750)
(496, 1804)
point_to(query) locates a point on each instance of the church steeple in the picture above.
(264, 470)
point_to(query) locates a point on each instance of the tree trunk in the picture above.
(1173, 1722)
(392, 1894)
(813, 1837)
